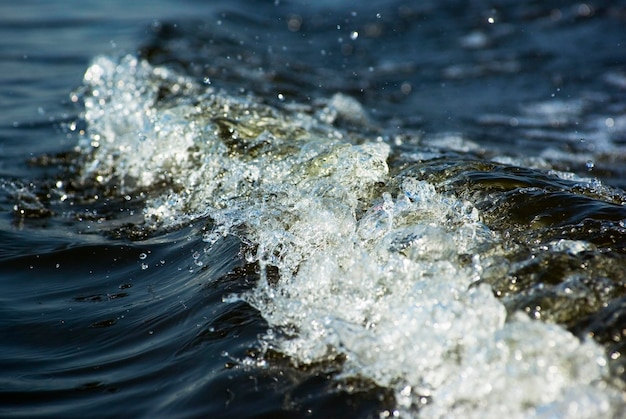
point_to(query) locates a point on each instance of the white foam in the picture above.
(374, 270)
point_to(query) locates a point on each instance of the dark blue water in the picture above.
(518, 108)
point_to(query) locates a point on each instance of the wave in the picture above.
(403, 270)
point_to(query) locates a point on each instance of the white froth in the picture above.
(383, 280)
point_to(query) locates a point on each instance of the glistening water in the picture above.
(283, 209)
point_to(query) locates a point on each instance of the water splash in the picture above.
(375, 271)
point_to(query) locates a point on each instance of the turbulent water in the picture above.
(284, 216)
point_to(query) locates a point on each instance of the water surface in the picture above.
(284, 210)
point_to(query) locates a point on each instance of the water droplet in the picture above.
(281, 96)
(609, 122)
(590, 164)
(294, 22)
(584, 10)
(144, 266)
(354, 35)
(142, 256)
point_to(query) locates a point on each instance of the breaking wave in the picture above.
(404, 270)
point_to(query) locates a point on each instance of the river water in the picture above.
(283, 209)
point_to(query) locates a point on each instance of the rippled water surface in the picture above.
(283, 209)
